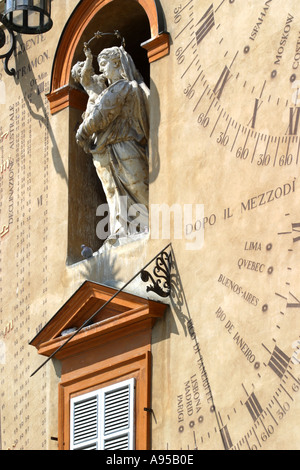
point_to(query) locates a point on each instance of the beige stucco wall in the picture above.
(197, 363)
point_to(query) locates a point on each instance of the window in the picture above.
(104, 419)
(104, 389)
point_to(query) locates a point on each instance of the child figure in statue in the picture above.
(93, 84)
(115, 130)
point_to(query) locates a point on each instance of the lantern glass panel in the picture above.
(33, 19)
(38, 3)
(28, 16)
(17, 18)
(22, 3)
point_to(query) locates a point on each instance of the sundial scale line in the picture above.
(246, 120)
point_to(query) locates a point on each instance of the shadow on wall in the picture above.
(177, 296)
(154, 158)
(84, 189)
(102, 268)
(32, 87)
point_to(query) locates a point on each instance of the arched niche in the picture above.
(142, 24)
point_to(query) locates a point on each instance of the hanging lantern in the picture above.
(28, 16)
(22, 16)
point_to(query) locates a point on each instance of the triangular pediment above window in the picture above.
(114, 314)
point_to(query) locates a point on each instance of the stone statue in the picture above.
(115, 130)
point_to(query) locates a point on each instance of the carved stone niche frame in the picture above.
(141, 23)
(114, 348)
(130, 17)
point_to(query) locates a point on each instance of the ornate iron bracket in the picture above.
(162, 272)
(9, 53)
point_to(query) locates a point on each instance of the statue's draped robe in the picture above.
(118, 140)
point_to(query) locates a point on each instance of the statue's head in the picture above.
(120, 62)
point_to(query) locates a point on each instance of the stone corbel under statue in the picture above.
(115, 131)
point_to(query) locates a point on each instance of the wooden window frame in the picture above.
(115, 348)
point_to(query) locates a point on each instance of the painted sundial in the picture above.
(238, 80)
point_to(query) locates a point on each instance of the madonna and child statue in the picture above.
(115, 131)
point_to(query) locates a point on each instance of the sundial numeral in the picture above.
(226, 438)
(224, 78)
(294, 121)
(207, 22)
(296, 228)
(254, 407)
(279, 362)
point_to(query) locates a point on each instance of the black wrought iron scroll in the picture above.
(161, 278)
(7, 55)
(165, 281)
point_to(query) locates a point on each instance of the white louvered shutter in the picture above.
(84, 422)
(104, 419)
(118, 422)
